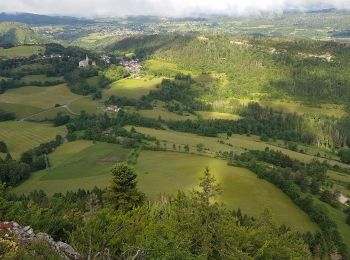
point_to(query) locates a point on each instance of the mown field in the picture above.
(164, 68)
(82, 164)
(38, 103)
(40, 78)
(21, 51)
(236, 143)
(216, 115)
(22, 136)
(132, 88)
(41, 97)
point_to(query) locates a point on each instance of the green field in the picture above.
(39, 78)
(48, 114)
(22, 136)
(164, 68)
(21, 51)
(157, 112)
(85, 104)
(132, 88)
(37, 98)
(295, 107)
(82, 164)
(19, 109)
(236, 143)
(217, 115)
(41, 97)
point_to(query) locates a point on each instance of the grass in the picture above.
(295, 107)
(82, 164)
(39, 97)
(236, 143)
(217, 115)
(21, 51)
(22, 136)
(299, 108)
(19, 109)
(31, 67)
(85, 104)
(39, 78)
(48, 115)
(339, 217)
(341, 182)
(157, 112)
(168, 172)
(132, 88)
(164, 68)
(79, 164)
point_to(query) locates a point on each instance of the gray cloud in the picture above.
(86, 8)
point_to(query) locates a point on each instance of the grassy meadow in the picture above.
(164, 68)
(85, 104)
(236, 143)
(22, 136)
(132, 88)
(27, 101)
(217, 115)
(39, 78)
(82, 164)
(21, 51)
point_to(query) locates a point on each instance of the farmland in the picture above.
(83, 164)
(21, 51)
(236, 143)
(132, 88)
(22, 136)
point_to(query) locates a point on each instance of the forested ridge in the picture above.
(300, 69)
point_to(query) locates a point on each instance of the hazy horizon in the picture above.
(171, 8)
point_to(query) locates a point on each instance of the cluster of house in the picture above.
(106, 59)
(132, 65)
(113, 108)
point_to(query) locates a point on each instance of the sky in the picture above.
(176, 8)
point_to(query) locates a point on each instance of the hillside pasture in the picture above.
(21, 51)
(22, 136)
(164, 114)
(164, 68)
(236, 143)
(217, 115)
(40, 98)
(40, 78)
(85, 104)
(19, 109)
(82, 164)
(74, 165)
(132, 88)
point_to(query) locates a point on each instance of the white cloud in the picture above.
(163, 7)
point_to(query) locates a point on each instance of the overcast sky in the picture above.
(87, 8)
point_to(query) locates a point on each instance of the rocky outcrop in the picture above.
(25, 235)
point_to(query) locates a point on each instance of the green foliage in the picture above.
(3, 147)
(61, 119)
(292, 183)
(122, 193)
(185, 227)
(114, 72)
(344, 155)
(6, 116)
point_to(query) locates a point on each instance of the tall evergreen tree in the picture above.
(123, 193)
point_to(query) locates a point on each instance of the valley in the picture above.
(268, 114)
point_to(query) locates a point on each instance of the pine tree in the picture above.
(123, 193)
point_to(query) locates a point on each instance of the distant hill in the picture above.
(37, 19)
(12, 34)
